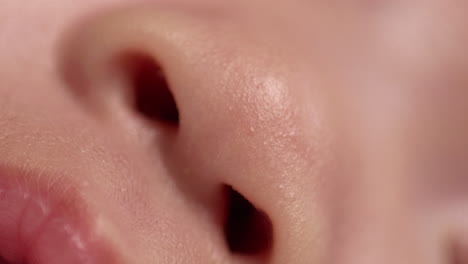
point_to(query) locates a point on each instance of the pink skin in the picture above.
(345, 122)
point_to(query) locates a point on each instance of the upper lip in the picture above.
(40, 223)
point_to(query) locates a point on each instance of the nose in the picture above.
(196, 99)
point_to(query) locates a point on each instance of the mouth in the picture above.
(38, 228)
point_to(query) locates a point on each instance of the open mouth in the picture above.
(35, 229)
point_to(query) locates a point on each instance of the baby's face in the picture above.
(190, 131)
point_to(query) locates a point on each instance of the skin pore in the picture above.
(253, 131)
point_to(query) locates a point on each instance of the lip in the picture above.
(42, 224)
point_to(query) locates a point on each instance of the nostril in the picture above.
(247, 230)
(153, 98)
(457, 256)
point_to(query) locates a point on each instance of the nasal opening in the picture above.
(153, 98)
(248, 230)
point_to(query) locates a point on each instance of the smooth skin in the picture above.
(345, 122)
